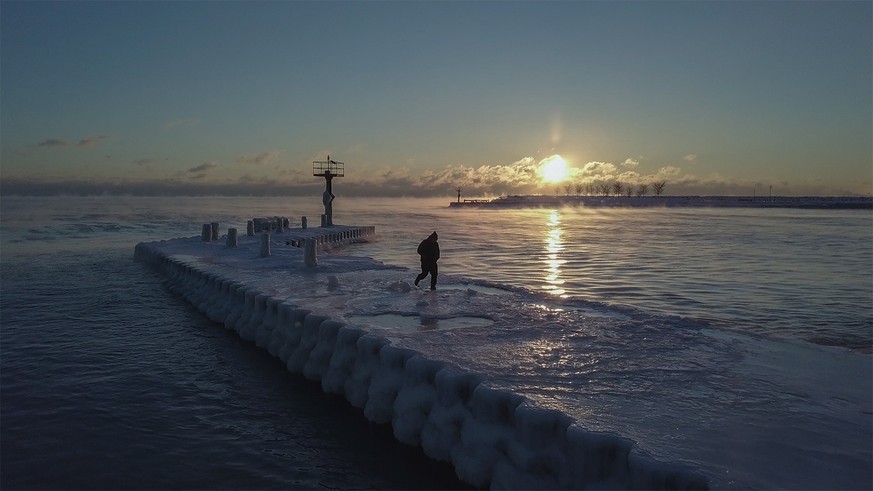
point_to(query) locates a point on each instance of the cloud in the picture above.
(200, 171)
(668, 172)
(691, 157)
(490, 179)
(52, 142)
(629, 177)
(91, 141)
(204, 167)
(476, 180)
(519, 177)
(259, 159)
(598, 169)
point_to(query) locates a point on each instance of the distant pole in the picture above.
(328, 169)
(771, 192)
(459, 195)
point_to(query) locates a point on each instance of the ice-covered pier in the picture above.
(299, 312)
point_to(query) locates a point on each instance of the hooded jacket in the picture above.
(429, 249)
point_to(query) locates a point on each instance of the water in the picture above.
(799, 274)
(110, 382)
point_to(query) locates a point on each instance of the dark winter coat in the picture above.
(429, 249)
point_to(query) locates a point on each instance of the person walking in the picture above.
(429, 250)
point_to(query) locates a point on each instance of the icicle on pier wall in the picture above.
(493, 438)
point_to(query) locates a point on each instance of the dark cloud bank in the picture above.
(399, 187)
(521, 177)
(21, 187)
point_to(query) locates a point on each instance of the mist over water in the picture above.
(800, 274)
(95, 352)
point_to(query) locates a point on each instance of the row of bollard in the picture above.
(346, 235)
(210, 232)
(274, 224)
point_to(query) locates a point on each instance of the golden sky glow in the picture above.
(236, 98)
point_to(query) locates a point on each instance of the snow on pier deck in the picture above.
(360, 328)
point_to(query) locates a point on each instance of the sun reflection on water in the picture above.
(554, 242)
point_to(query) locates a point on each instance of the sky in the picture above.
(420, 98)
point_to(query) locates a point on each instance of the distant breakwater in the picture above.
(534, 201)
(493, 438)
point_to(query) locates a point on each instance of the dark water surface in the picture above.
(110, 382)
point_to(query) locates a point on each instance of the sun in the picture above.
(553, 169)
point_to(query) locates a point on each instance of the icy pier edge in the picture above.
(493, 438)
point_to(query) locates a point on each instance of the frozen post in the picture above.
(250, 228)
(214, 226)
(206, 234)
(328, 169)
(231, 238)
(310, 247)
(265, 244)
(303, 222)
(279, 226)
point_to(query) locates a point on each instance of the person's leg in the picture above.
(423, 274)
(433, 276)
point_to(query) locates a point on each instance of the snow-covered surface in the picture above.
(364, 331)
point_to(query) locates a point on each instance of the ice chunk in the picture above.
(308, 340)
(385, 383)
(366, 362)
(342, 361)
(319, 358)
(416, 399)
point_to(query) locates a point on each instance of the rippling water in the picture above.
(801, 274)
(108, 381)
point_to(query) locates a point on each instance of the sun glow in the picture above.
(553, 169)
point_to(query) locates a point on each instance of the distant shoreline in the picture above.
(537, 201)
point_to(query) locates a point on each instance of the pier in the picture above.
(535, 201)
(322, 321)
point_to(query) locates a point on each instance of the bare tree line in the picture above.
(616, 188)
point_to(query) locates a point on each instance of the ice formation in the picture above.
(493, 438)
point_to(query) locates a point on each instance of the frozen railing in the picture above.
(325, 167)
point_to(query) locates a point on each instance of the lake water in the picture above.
(108, 381)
